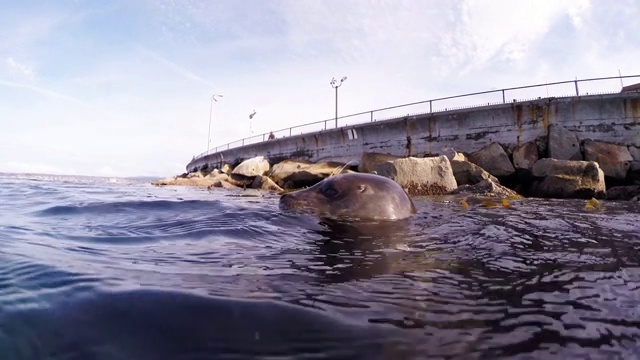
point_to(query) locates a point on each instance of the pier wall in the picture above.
(611, 118)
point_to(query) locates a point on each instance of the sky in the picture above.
(124, 88)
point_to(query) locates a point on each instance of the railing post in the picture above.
(262, 137)
(503, 99)
(576, 82)
(325, 124)
(290, 131)
(430, 106)
(371, 116)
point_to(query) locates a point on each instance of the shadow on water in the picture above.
(349, 251)
(128, 325)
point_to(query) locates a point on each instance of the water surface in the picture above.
(115, 269)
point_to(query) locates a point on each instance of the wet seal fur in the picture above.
(353, 196)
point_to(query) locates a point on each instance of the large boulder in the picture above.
(542, 142)
(623, 192)
(467, 173)
(239, 180)
(421, 176)
(633, 175)
(525, 155)
(486, 188)
(223, 184)
(292, 174)
(563, 144)
(567, 179)
(634, 152)
(370, 161)
(252, 167)
(493, 159)
(614, 160)
(451, 154)
(265, 183)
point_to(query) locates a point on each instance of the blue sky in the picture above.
(123, 88)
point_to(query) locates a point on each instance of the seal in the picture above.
(353, 196)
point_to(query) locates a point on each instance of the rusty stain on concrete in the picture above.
(431, 125)
(409, 146)
(517, 109)
(635, 108)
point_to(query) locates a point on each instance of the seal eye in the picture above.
(329, 192)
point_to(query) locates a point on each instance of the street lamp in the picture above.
(213, 98)
(333, 85)
(251, 117)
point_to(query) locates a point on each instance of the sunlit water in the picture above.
(105, 269)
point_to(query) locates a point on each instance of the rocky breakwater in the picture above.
(555, 166)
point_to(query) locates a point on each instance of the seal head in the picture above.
(353, 196)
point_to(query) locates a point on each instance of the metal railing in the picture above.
(568, 88)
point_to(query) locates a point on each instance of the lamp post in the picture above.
(213, 98)
(251, 117)
(333, 85)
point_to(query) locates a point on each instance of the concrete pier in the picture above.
(613, 118)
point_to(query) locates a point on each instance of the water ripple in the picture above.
(131, 271)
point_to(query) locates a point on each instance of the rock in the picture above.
(252, 167)
(453, 155)
(487, 188)
(633, 174)
(370, 161)
(563, 144)
(197, 174)
(567, 179)
(290, 174)
(525, 155)
(623, 192)
(166, 181)
(223, 184)
(421, 176)
(467, 173)
(192, 181)
(493, 159)
(614, 160)
(542, 142)
(265, 183)
(240, 180)
(227, 169)
(213, 173)
(220, 177)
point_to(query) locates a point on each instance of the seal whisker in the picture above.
(333, 173)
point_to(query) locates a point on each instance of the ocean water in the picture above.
(99, 268)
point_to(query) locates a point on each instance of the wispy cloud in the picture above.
(177, 68)
(20, 68)
(42, 91)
